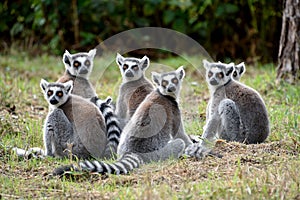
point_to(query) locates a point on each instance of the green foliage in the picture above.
(229, 28)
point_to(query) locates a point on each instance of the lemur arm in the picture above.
(211, 130)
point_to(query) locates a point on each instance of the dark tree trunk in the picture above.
(289, 49)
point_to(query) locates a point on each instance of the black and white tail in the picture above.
(124, 165)
(113, 130)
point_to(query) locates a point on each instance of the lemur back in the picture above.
(74, 125)
(154, 133)
(252, 110)
(78, 69)
(134, 88)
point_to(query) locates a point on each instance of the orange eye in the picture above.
(210, 74)
(125, 67)
(49, 93)
(220, 75)
(135, 67)
(87, 63)
(76, 64)
(164, 83)
(175, 80)
(59, 94)
(234, 74)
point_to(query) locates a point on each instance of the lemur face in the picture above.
(218, 74)
(56, 94)
(79, 64)
(169, 83)
(239, 70)
(132, 68)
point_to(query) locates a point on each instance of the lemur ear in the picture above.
(67, 57)
(145, 62)
(181, 73)
(69, 86)
(156, 78)
(44, 84)
(241, 68)
(229, 69)
(206, 64)
(108, 100)
(92, 53)
(119, 59)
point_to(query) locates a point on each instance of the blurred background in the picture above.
(229, 29)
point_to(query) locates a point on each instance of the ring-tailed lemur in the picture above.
(134, 88)
(239, 70)
(155, 132)
(236, 112)
(78, 69)
(74, 124)
(57, 123)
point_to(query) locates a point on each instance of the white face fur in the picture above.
(56, 94)
(132, 68)
(169, 83)
(79, 64)
(218, 74)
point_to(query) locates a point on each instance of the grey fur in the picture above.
(74, 126)
(154, 133)
(81, 84)
(134, 88)
(235, 111)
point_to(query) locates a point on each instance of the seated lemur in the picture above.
(235, 111)
(134, 88)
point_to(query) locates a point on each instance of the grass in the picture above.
(264, 171)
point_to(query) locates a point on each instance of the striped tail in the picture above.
(124, 165)
(113, 130)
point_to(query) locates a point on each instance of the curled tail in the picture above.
(113, 130)
(124, 165)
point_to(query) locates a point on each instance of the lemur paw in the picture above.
(197, 150)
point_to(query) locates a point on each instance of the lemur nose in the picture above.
(213, 81)
(171, 89)
(129, 74)
(83, 71)
(53, 101)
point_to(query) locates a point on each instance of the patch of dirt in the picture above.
(177, 172)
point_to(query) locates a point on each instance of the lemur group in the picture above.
(145, 124)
